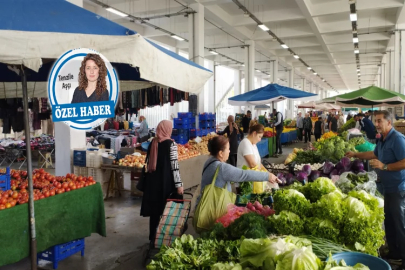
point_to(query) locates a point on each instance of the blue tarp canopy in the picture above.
(35, 33)
(268, 94)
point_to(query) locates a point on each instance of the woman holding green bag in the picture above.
(216, 191)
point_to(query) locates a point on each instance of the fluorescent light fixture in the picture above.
(263, 27)
(323, 79)
(308, 67)
(359, 74)
(315, 73)
(356, 51)
(258, 70)
(296, 56)
(355, 40)
(177, 37)
(284, 46)
(353, 17)
(213, 52)
(243, 65)
(119, 13)
(358, 69)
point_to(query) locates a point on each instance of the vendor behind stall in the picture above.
(219, 150)
(246, 121)
(248, 154)
(233, 132)
(368, 127)
(388, 158)
(143, 131)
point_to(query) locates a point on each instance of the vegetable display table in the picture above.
(59, 219)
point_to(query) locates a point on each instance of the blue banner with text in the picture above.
(83, 111)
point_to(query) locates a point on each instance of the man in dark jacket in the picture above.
(333, 126)
(232, 131)
(307, 127)
(368, 127)
(279, 125)
(246, 121)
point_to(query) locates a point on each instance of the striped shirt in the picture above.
(175, 165)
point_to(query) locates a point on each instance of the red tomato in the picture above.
(47, 194)
(3, 200)
(65, 185)
(90, 178)
(41, 171)
(15, 195)
(80, 178)
(42, 197)
(13, 203)
(68, 175)
(52, 192)
(2, 207)
(73, 187)
(67, 189)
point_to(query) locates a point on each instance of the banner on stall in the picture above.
(82, 89)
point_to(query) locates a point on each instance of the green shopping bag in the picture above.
(213, 205)
(365, 147)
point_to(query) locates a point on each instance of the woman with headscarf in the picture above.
(143, 131)
(163, 180)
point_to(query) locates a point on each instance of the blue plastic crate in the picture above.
(175, 137)
(284, 138)
(79, 158)
(263, 147)
(204, 117)
(212, 116)
(182, 137)
(194, 133)
(191, 120)
(185, 114)
(181, 141)
(205, 124)
(204, 132)
(5, 180)
(183, 123)
(60, 252)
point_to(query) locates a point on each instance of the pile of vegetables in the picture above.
(354, 220)
(246, 188)
(333, 149)
(306, 157)
(258, 208)
(281, 253)
(348, 125)
(328, 135)
(344, 165)
(357, 141)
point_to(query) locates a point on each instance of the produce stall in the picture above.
(61, 216)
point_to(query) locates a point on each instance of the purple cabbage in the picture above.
(334, 172)
(301, 177)
(314, 175)
(327, 167)
(358, 165)
(346, 163)
(281, 177)
(307, 169)
(339, 166)
(341, 171)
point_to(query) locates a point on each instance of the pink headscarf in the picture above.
(163, 132)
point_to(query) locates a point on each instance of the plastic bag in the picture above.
(259, 187)
(198, 140)
(365, 147)
(234, 212)
(213, 205)
(345, 185)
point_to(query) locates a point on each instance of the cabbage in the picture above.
(302, 177)
(346, 163)
(322, 228)
(226, 266)
(314, 175)
(357, 165)
(307, 169)
(330, 207)
(341, 171)
(321, 186)
(334, 265)
(334, 172)
(328, 167)
(299, 259)
(289, 178)
(291, 200)
(281, 177)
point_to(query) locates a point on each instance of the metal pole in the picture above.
(274, 137)
(33, 243)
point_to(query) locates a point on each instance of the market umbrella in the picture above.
(370, 96)
(262, 107)
(269, 94)
(308, 105)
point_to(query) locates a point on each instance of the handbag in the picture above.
(141, 183)
(213, 205)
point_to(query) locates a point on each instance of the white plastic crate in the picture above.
(93, 159)
(80, 171)
(97, 174)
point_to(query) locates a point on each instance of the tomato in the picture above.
(68, 175)
(3, 200)
(52, 192)
(15, 195)
(15, 175)
(2, 207)
(42, 197)
(13, 203)
(73, 187)
(41, 171)
(90, 178)
(8, 205)
(65, 185)
(23, 190)
(47, 194)
(67, 189)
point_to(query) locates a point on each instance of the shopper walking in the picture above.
(246, 121)
(307, 127)
(333, 125)
(219, 151)
(341, 121)
(233, 132)
(163, 176)
(279, 125)
(358, 124)
(300, 126)
(388, 160)
(318, 129)
(248, 154)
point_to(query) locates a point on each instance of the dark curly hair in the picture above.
(101, 82)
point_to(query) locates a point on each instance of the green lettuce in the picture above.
(299, 259)
(322, 228)
(330, 207)
(226, 266)
(293, 201)
(334, 265)
(321, 186)
(286, 223)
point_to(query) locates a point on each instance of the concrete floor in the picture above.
(127, 236)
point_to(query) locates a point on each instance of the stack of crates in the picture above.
(207, 123)
(5, 180)
(182, 126)
(87, 162)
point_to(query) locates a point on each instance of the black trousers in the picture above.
(233, 158)
(278, 141)
(300, 134)
(317, 136)
(307, 133)
(394, 209)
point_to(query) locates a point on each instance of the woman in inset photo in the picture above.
(92, 80)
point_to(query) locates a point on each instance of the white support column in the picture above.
(237, 87)
(274, 71)
(382, 75)
(196, 44)
(397, 58)
(388, 70)
(392, 71)
(66, 138)
(290, 106)
(304, 84)
(250, 66)
(259, 81)
(311, 87)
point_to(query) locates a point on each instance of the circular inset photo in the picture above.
(82, 89)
